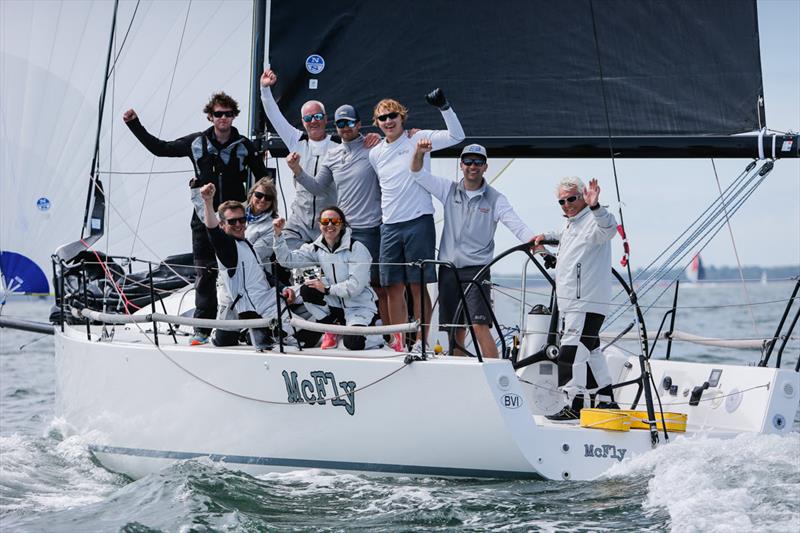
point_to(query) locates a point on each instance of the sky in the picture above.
(661, 197)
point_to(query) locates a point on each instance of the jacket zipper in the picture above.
(333, 266)
(578, 295)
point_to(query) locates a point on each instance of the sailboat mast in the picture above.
(260, 41)
(95, 188)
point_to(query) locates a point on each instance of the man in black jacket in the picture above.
(220, 155)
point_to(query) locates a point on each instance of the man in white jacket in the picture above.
(583, 288)
(311, 145)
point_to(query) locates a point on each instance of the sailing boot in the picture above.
(605, 397)
(569, 412)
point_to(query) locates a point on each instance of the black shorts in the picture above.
(449, 298)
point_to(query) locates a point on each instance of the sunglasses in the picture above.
(261, 196)
(326, 221)
(383, 118)
(345, 123)
(569, 199)
(315, 116)
(220, 114)
(470, 162)
(235, 221)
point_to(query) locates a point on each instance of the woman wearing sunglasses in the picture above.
(343, 295)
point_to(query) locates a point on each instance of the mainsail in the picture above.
(527, 76)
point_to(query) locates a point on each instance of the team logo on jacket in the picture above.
(321, 387)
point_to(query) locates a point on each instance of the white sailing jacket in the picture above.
(306, 206)
(346, 271)
(247, 285)
(583, 270)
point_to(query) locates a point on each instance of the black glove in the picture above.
(549, 261)
(437, 99)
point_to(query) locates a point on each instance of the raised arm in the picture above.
(319, 184)
(209, 216)
(454, 133)
(288, 133)
(437, 186)
(605, 224)
(181, 147)
(300, 258)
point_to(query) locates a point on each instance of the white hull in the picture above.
(143, 408)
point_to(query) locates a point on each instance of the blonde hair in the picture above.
(269, 189)
(389, 105)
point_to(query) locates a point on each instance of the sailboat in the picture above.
(144, 400)
(696, 272)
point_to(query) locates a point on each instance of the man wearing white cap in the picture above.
(472, 209)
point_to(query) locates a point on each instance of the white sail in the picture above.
(53, 57)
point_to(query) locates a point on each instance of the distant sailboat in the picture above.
(696, 272)
(763, 277)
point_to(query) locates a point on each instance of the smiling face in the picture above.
(260, 201)
(234, 222)
(571, 208)
(314, 119)
(331, 225)
(390, 116)
(347, 132)
(473, 167)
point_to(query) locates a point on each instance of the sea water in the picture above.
(49, 482)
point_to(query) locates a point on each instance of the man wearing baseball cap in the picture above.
(347, 166)
(472, 209)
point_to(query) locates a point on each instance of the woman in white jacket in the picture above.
(343, 294)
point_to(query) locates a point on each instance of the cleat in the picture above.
(329, 340)
(565, 415)
(198, 339)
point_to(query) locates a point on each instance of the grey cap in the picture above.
(474, 149)
(347, 112)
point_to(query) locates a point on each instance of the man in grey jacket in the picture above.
(472, 209)
(583, 288)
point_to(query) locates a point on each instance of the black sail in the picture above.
(523, 75)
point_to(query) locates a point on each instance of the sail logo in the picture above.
(510, 400)
(315, 64)
(604, 451)
(321, 387)
(43, 204)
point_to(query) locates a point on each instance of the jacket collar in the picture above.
(343, 244)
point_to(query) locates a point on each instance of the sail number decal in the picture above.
(321, 387)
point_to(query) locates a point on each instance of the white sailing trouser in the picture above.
(582, 367)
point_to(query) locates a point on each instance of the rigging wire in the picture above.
(161, 126)
(735, 250)
(124, 39)
(645, 365)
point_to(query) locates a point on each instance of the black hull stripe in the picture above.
(321, 464)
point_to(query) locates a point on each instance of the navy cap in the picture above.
(346, 112)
